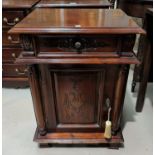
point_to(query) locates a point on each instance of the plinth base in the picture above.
(78, 138)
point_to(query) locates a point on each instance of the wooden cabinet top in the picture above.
(77, 21)
(74, 3)
(11, 4)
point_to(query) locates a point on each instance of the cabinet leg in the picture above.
(143, 83)
(37, 101)
(119, 97)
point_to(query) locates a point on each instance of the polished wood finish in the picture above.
(148, 59)
(15, 4)
(10, 54)
(17, 82)
(79, 138)
(73, 71)
(10, 40)
(94, 21)
(11, 17)
(14, 70)
(36, 96)
(74, 4)
(119, 97)
(13, 11)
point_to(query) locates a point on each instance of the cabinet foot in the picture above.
(42, 132)
(45, 145)
(114, 146)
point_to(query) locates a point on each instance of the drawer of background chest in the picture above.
(12, 70)
(10, 18)
(77, 44)
(10, 54)
(10, 39)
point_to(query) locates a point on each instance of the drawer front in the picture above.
(12, 70)
(10, 40)
(10, 18)
(77, 44)
(10, 54)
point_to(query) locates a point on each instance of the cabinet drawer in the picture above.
(78, 44)
(9, 39)
(10, 54)
(12, 70)
(10, 18)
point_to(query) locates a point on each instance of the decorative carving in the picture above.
(74, 100)
(27, 43)
(80, 44)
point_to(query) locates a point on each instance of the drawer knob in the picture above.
(13, 55)
(13, 41)
(21, 72)
(16, 20)
(77, 45)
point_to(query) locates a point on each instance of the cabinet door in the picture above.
(76, 97)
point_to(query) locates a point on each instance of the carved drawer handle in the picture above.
(13, 55)
(13, 41)
(16, 20)
(21, 72)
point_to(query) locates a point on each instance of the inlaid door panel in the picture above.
(76, 97)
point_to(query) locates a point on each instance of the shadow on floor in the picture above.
(128, 110)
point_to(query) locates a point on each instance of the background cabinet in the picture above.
(13, 11)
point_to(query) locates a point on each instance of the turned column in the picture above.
(36, 97)
(119, 97)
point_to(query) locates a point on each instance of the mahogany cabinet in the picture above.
(13, 11)
(78, 67)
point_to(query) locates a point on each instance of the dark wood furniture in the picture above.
(138, 8)
(135, 8)
(13, 11)
(74, 3)
(77, 65)
(147, 50)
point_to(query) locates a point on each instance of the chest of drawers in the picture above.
(78, 67)
(13, 12)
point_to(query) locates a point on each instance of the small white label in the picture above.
(77, 25)
(72, 3)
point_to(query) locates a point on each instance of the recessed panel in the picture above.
(77, 96)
